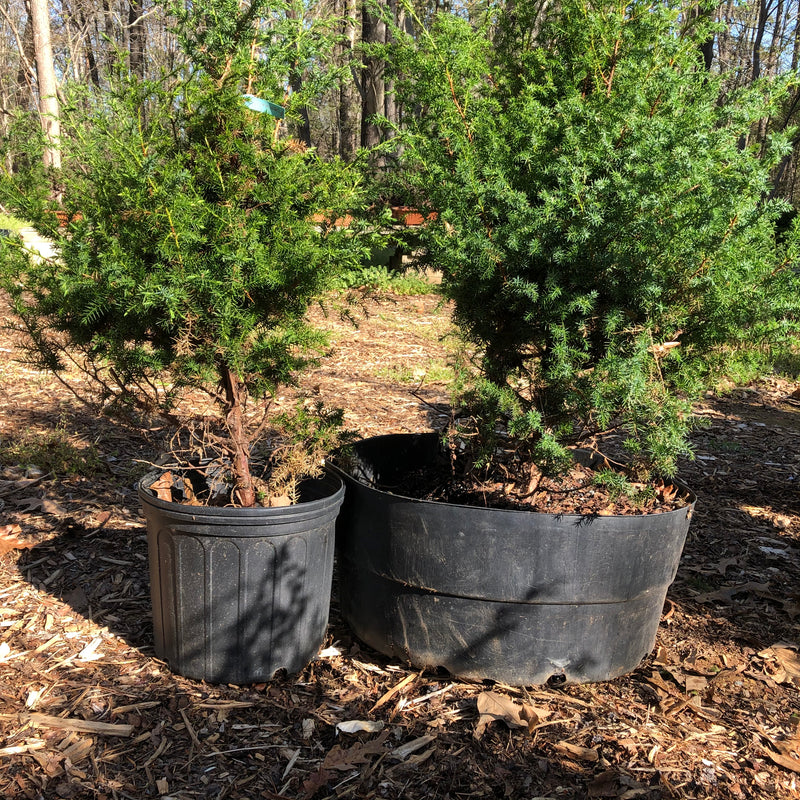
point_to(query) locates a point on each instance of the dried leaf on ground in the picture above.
(10, 540)
(494, 707)
(787, 660)
(358, 725)
(10, 487)
(727, 593)
(40, 504)
(605, 784)
(695, 683)
(783, 753)
(723, 564)
(316, 781)
(343, 759)
(163, 487)
(102, 519)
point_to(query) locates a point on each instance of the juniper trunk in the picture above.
(244, 491)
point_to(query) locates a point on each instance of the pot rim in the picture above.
(333, 496)
(331, 464)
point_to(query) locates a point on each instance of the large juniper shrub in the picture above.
(601, 225)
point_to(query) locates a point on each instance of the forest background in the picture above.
(46, 43)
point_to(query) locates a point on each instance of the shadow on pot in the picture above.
(239, 593)
(226, 603)
(519, 597)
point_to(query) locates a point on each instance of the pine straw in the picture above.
(86, 710)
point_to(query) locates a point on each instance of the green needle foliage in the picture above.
(199, 235)
(603, 227)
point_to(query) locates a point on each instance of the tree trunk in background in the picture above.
(374, 88)
(796, 45)
(295, 11)
(707, 46)
(136, 38)
(349, 97)
(391, 109)
(91, 61)
(24, 86)
(109, 54)
(761, 25)
(776, 39)
(46, 77)
(304, 127)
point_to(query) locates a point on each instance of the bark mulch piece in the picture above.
(87, 711)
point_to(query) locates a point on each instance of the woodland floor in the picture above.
(87, 711)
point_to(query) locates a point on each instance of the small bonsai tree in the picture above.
(603, 227)
(198, 233)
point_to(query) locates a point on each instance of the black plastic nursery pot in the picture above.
(239, 593)
(519, 597)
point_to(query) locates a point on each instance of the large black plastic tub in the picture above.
(514, 596)
(239, 593)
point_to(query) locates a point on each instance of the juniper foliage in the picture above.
(199, 234)
(603, 223)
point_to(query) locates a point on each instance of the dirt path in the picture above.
(86, 711)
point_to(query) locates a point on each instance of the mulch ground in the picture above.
(87, 711)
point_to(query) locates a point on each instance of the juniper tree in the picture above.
(199, 232)
(602, 225)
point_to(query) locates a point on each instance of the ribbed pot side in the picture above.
(239, 593)
(519, 597)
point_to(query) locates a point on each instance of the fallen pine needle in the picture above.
(242, 749)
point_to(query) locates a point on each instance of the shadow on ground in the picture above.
(648, 735)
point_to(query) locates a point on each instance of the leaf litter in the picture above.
(88, 711)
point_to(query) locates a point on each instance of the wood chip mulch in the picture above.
(87, 711)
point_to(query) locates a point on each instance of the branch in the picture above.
(458, 105)
(20, 46)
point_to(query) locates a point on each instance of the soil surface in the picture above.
(522, 486)
(87, 711)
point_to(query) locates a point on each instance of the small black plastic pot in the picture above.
(519, 597)
(239, 593)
